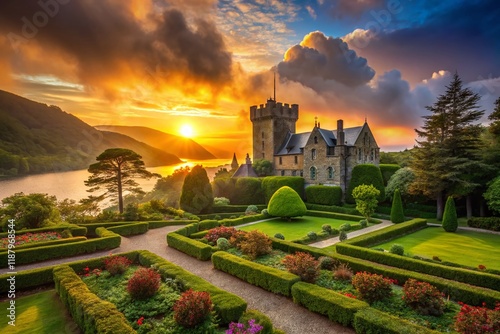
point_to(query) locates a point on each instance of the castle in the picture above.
(321, 156)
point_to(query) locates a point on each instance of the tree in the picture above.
(495, 118)
(492, 195)
(397, 212)
(223, 173)
(115, 171)
(29, 211)
(401, 180)
(197, 196)
(168, 189)
(450, 220)
(366, 174)
(263, 167)
(286, 203)
(448, 152)
(366, 199)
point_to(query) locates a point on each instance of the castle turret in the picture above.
(234, 163)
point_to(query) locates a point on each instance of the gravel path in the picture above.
(285, 315)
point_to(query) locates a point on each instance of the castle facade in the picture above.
(320, 156)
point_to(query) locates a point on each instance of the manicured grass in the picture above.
(462, 247)
(295, 229)
(41, 313)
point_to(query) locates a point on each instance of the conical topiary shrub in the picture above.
(450, 220)
(286, 203)
(397, 213)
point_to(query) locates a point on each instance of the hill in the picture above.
(182, 147)
(37, 138)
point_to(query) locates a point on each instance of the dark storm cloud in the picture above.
(324, 58)
(106, 40)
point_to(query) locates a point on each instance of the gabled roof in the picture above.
(328, 136)
(245, 170)
(294, 143)
(352, 134)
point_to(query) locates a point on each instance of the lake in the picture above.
(70, 184)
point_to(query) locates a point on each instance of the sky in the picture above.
(198, 65)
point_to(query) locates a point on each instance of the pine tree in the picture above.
(450, 220)
(449, 149)
(197, 196)
(397, 213)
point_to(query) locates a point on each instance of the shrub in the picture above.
(304, 265)
(488, 223)
(342, 235)
(423, 297)
(248, 190)
(279, 236)
(197, 196)
(326, 262)
(327, 228)
(220, 232)
(116, 265)
(192, 308)
(324, 195)
(265, 213)
(218, 201)
(271, 184)
(66, 234)
(144, 283)
(387, 171)
(397, 249)
(249, 327)
(477, 320)
(363, 223)
(372, 287)
(345, 227)
(450, 220)
(367, 174)
(223, 244)
(397, 212)
(286, 203)
(366, 199)
(436, 258)
(312, 235)
(342, 272)
(255, 244)
(251, 210)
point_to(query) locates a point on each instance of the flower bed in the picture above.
(28, 238)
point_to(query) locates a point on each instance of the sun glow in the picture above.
(186, 130)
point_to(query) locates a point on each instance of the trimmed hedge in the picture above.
(272, 183)
(388, 233)
(228, 306)
(387, 171)
(76, 231)
(207, 224)
(334, 215)
(234, 208)
(336, 306)
(189, 246)
(324, 195)
(248, 190)
(260, 318)
(47, 243)
(107, 240)
(270, 279)
(92, 314)
(476, 278)
(91, 228)
(164, 223)
(333, 208)
(372, 321)
(487, 223)
(130, 229)
(365, 174)
(241, 220)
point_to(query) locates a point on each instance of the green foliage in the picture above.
(271, 184)
(223, 244)
(401, 158)
(192, 308)
(388, 171)
(218, 201)
(224, 188)
(397, 249)
(450, 219)
(286, 203)
(327, 228)
(252, 210)
(248, 190)
(326, 262)
(337, 307)
(342, 235)
(324, 195)
(279, 236)
(29, 211)
(312, 235)
(304, 265)
(397, 212)
(345, 227)
(260, 318)
(366, 174)
(373, 321)
(366, 199)
(270, 279)
(191, 247)
(255, 244)
(263, 167)
(144, 283)
(372, 287)
(487, 223)
(168, 189)
(492, 195)
(197, 196)
(423, 297)
(402, 180)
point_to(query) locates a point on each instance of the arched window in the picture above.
(315, 139)
(312, 171)
(313, 154)
(330, 172)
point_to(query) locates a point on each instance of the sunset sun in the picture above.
(186, 130)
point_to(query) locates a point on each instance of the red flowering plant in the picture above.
(144, 283)
(477, 319)
(29, 237)
(116, 265)
(140, 321)
(481, 267)
(220, 232)
(350, 295)
(192, 308)
(423, 297)
(372, 287)
(304, 265)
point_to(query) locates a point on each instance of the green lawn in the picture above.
(41, 313)
(462, 247)
(295, 229)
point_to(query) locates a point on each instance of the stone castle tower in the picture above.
(272, 123)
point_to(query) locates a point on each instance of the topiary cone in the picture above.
(397, 213)
(450, 220)
(286, 203)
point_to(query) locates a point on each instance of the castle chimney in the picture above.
(340, 132)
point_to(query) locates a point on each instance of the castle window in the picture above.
(262, 134)
(262, 144)
(301, 173)
(330, 172)
(296, 159)
(312, 171)
(294, 173)
(282, 173)
(281, 161)
(313, 154)
(359, 154)
(372, 155)
(315, 139)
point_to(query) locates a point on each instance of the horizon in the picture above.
(194, 68)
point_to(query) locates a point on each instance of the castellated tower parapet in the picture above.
(272, 123)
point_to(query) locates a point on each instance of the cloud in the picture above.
(351, 8)
(311, 12)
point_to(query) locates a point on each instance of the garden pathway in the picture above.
(285, 315)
